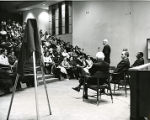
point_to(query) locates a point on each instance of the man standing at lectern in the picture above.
(106, 51)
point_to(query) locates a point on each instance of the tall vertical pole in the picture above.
(35, 83)
(13, 94)
(45, 86)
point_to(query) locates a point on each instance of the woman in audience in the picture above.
(66, 68)
(89, 63)
(65, 54)
(48, 62)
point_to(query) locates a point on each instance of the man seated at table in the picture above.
(122, 67)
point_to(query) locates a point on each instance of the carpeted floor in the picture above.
(66, 104)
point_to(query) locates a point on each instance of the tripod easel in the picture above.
(35, 83)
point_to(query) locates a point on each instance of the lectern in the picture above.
(140, 92)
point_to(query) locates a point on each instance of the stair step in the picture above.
(39, 76)
(50, 80)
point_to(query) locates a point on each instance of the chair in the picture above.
(120, 79)
(98, 86)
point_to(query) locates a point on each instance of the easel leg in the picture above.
(45, 86)
(35, 83)
(13, 94)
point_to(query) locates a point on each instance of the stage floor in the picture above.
(66, 104)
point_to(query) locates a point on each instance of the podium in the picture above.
(140, 92)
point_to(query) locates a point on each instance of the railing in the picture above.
(145, 67)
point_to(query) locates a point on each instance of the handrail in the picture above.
(141, 67)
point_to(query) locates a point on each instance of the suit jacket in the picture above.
(138, 62)
(101, 67)
(106, 51)
(122, 66)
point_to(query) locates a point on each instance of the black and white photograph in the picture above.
(75, 60)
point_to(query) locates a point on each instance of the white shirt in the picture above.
(4, 60)
(65, 54)
(48, 59)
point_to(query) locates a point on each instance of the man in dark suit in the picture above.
(122, 66)
(106, 51)
(139, 60)
(100, 68)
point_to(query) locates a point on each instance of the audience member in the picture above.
(89, 63)
(5, 69)
(48, 62)
(12, 58)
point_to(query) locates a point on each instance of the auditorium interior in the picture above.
(71, 60)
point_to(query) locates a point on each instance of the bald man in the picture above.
(122, 67)
(106, 51)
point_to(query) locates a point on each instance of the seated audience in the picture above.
(81, 64)
(74, 69)
(12, 58)
(4, 59)
(139, 60)
(48, 62)
(89, 63)
(65, 68)
(5, 69)
(65, 54)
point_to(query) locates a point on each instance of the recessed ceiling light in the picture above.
(43, 4)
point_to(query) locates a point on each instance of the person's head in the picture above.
(139, 55)
(65, 59)
(82, 57)
(100, 56)
(71, 58)
(4, 51)
(105, 41)
(126, 50)
(47, 53)
(124, 54)
(51, 50)
(88, 57)
(12, 53)
(65, 51)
